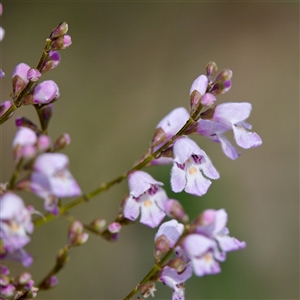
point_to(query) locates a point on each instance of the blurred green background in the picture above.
(129, 65)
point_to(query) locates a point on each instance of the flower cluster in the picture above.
(41, 169)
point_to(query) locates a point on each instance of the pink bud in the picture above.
(52, 61)
(19, 76)
(208, 99)
(114, 227)
(62, 42)
(33, 75)
(60, 30)
(45, 92)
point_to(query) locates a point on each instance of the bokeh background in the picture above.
(129, 65)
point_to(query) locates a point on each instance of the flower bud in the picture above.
(24, 122)
(8, 290)
(178, 264)
(52, 61)
(208, 99)
(211, 69)
(23, 278)
(175, 209)
(33, 75)
(45, 92)
(98, 224)
(60, 30)
(75, 229)
(61, 43)
(43, 142)
(114, 227)
(19, 78)
(62, 142)
(224, 75)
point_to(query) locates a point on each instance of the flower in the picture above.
(208, 244)
(190, 164)
(146, 196)
(51, 179)
(230, 116)
(15, 224)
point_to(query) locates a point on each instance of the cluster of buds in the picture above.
(21, 287)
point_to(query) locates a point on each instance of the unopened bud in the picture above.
(208, 99)
(60, 30)
(224, 75)
(158, 137)
(33, 75)
(211, 69)
(98, 224)
(114, 227)
(8, 290)
(61, 43)
(24, 122)
(23, 278)
(175, 209)
(43, 142)
(45, 92)
(52, 61)
(19, 78)
(62, 142)
(75, 229)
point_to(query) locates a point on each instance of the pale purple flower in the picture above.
(2, 74)
(45, 92)
(15, 224)
(146, 196)
(191, 167)
(175, 280)
(207, 246)
(51, 179)
(230, 116)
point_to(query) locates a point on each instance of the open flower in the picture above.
(147, 196)
(51, 179)
(191, 167)
(207, 246)
(15, 224)
(230, 116)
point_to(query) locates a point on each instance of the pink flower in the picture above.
(15, 224)
(146, 196)
(230, 116)
(51, 179)
(191, 167)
